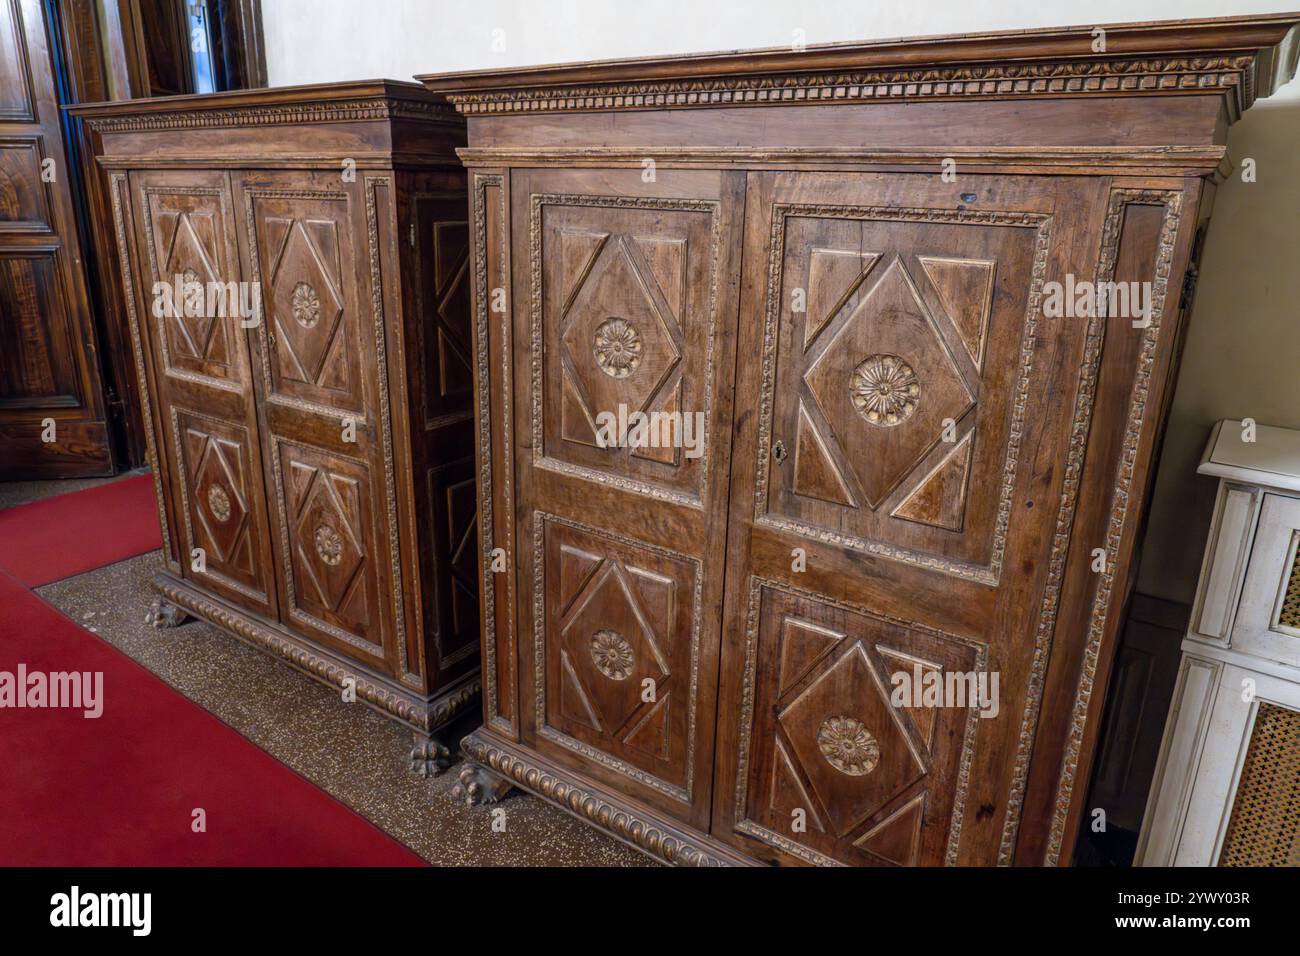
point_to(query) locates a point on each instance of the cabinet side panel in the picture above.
(1146, 239)
(491, 305)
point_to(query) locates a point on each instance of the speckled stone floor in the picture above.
(346, 749)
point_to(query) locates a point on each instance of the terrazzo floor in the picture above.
(345, 749)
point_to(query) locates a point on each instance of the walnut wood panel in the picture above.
(441, 233)
(223, 507)
(39, 369)
(320, 412)
(328, 531)
(494, 450)
(442, 369)
(186, 232)
(442, 626)
(946, 572)
(52, 415)
(883, 457)
(629, 302)
(189, 232)
(24, 204)
(836, 771)
(316, 442)
(625, 325)
(164, 42)
(1149, 232)
(923, 469)
(16, 94)
(620, 653)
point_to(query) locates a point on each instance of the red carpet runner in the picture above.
(68, 534)
(121, 789)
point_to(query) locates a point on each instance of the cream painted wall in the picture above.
(1242, 356)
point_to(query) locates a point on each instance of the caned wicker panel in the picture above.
(1290, 613)
(1265, 825)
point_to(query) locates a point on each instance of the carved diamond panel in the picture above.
(460, 633)
(215, 462)
(312, 331)
(618, 652)
(892, 372)
(305, 301)
(609, 637)
(876, 783)
(866, 378)
(618, 346)
(849, 741)
(445, 308)
(327, 504)
(185, 240)
(219, 505)
(623, 322)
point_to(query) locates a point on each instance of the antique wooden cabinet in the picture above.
(927, 455)
(310, 425)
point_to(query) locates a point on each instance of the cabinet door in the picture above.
(322, 408)
(1268, 619)
(894, 504)
(624, 298)
(191, 317)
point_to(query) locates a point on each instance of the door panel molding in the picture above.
(940, 802)
(983, 572)
(53, 418)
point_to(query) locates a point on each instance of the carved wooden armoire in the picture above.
(842, 258)
(311, 432)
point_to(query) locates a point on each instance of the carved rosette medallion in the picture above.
(612, 654)
(218, 502)
(884, 390)
(328, 544)
(848, 746)
(306, 305)
(193, 300)
(617, 348)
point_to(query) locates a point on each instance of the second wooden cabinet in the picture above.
(918, 469)
(294, 265)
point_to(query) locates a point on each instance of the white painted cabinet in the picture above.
(1232, 741)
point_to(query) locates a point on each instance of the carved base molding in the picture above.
(422, 714)
(641, 829)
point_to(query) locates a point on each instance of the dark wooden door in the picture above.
(199, 360)
(52, 416)
(625, 295)
(894, 503)
(317, 354)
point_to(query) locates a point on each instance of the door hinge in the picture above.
(412, 234)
